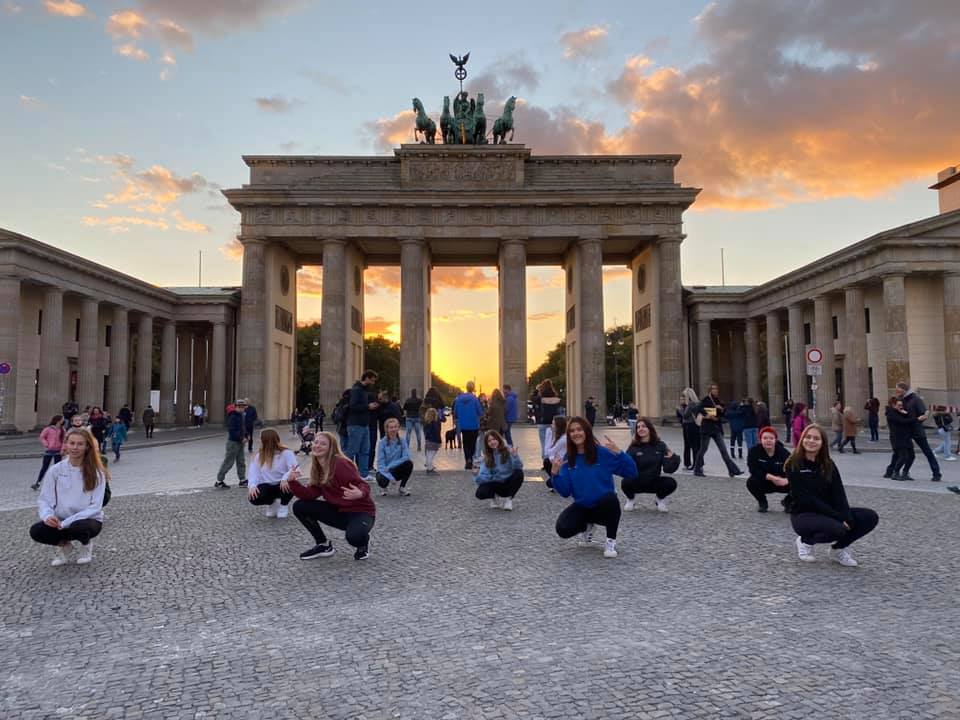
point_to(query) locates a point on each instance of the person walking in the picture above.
(587, 476)
(233, 455)
(789, 410)
(748, 409)
(872, 407)
(70, 504)
(819, 511)
(118, 436)
(411, 414)
(689, 402)
(917, 411)
(431, 438)
(501, 472)
(250, 418)
(944, 422)
(51, 437)
(359, 409)
(733, 414)
(466, 416)
(125, 415)
(655, 462)
(268, 468)
(319, 416)
(799, 422)
(850, 423)
(497, 412)
(836, 425)
(335, 495)
(512, 412)
(711, 428)
(99, 426)
(68, 410)
(590, 410)
(148, 417)
(900, 429)
(549, 402)
(393, 461)
(765, 462)
(197, 413)
(339, 417)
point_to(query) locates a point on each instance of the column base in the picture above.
(10, 430)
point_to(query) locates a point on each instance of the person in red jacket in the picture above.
(335, 495)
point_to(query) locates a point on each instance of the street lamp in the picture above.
(316, 344)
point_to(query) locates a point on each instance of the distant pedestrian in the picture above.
(872, 407)
(590, 410)
(917, 411)
(900, 430)
(734, 415)
(233, 454)
(549, 404)
(319, 416)
(788, 412)
(632, 415)
(690, 420)
(51, 437)
(411, 418)
(197, 413)
(359, 410)
(763, 415)
(555, 446)
(836, 425)
(68, 410)
(268, 468)
(118, 436)
(125, 415)
(148, 417)
(99, 426)
(393, 461)
(466, 414)
(711, 428)
(512, 413)
(765, 462)
(431, 437)
(501, 472)
(799, 422)
(748, 410)
(850, 424)
(497, 412)
(250, 418)
(655, 463)
(944, 422)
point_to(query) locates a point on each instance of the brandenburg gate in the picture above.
(460, 205)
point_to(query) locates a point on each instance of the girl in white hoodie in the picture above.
(268, 468)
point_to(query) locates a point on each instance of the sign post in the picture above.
(5, 369)
(814, 370)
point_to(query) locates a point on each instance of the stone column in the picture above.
(119, 388)
(9, 348)
(751, 338)
(90, 379)
(823, 335)
(592, 338)
(704, 357)
(414, 363)
(951, 332)
(168, 372)
(513, 317)
(198, 382)
(669, 326)
(895, 331)
(774, 364)
(333, 319)
(798, 362)
(254, 312)
(738, 352)
(52, 386)
(855, 377)
(184, 356)
(144, 365)
(218, 372)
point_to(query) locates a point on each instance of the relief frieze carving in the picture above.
(468, 171)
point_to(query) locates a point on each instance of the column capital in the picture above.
(513, 240)
(331, 240)
(674, 238)
(246, 240)
(417, 240)
(52, 290)
(591, 236)
(893, 275)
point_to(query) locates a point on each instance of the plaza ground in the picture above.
(197, 606)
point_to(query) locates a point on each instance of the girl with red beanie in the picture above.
(765, 463)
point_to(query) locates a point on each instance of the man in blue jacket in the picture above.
(466, 416)
(234, 452)
(512, 411)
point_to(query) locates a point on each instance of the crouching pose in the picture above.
(393, 461)
(587, 475)
(554, 445)
(820, 512)
(652, 458)
(501, 472)
(335, 495)
(765, 463)
(268, 468)
(71, 499)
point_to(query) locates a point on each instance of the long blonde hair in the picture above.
(321, 472)
(91, 466)
(431, 415)
(270, 447)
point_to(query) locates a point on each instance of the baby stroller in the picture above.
(307, 435)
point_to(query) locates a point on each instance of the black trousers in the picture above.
(313, 513)
(269, 493)
(469, 444)
(249, 437)
(711, 431)
(148, 430)
(50, 456)
(660, 486)
(874, 422)
(401, 472)
(575, 518)
(901, 461)
(691, 444)
(502, 488)
(761, 487)
(849, 440)
(814, 528)
(82, 530)
(921, 441)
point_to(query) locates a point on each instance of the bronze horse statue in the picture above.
(479, 123)
(446, 122)
(504, 123)
(424, 125)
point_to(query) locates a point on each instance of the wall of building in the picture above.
(925, 336)
(645, 361)
(280, 345)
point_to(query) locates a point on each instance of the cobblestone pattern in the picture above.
(197, 607)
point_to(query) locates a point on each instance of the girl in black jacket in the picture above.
(820, 512)
(900, 426)
(652, 457)
(765, 463)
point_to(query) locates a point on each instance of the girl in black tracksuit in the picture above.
(900, 426)
(765, 463)
(652, 458)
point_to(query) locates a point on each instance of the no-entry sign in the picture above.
(814, 356)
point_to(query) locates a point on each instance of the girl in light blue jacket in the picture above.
(393, 459)
(501, 472)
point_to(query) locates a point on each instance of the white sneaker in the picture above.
(271, 509)
(804, 551)
(662, 505)
(371, 478)
(85, 554)
(61, 556)
(586, 537)
(494, 503)
(383, 492)
(402, 491)
(843, 556)
(507, 504)
(630, 505)
(283, 511)
(610, 548)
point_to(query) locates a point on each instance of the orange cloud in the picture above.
(233, 249)
(536, 317)
(186, 225)
(276, 104)
(65, 8)
(30, 102)
(383, 279)
(174, 35)
(133, 52)
(309, 281)
(586, 41)
(126, 24)
(457, 278)
(615, 273)
(118, 223)
(373, 326)
(388, 133)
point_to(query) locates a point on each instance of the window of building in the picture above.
(866, 322)
(807, 339)
(109, 335)
(571, 318)
(838, 379)
(40, 321)
(836, 327)
(76, 331)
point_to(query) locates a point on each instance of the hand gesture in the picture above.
(52, 521)
(254, 492)
(514, 451)
(373, 405)
(352, 492)
(669, 454)
(610, 444)
(779, 481)
(555, 465)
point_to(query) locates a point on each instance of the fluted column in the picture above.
(704, 356)
(414, 363)
(218, 372)
(168, 371)
(823, 335)
(513, 317)
(951, 332)
(798, 367)
(9, 351)
(119, 390)
(669, 326)
(738, 352)
(592, 338)
(895, 331)
(52, 386)
(774, 364)
(198, 383)
(751, 335)
(254, 312)
(184, 356)
(144, 375)
(90, 379)
(856, 380)
(333, 323)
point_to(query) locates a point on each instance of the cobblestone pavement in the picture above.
(197, 607)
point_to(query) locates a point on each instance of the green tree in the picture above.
(308, 365)
(554, 369)
(383, 356)
(618, 365)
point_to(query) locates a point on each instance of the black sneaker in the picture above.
(220, 484)
(888, 475)
(736, 472)
(906, 477)
(936, 478)
(362, 553)
(954, 489)
(242, 483)
(698, 473)
(318, 551)
(762, 508)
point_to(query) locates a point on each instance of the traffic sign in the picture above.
(814, 356)
(814, 369)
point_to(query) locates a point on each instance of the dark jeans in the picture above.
(575, 518)
(508, 435)
(82, 530)
(469, 444)
(372, 459)
(874, 422)
(312, 513)
(814, 528)
(660, 486)
(851, 441)
(709, 430)
(148, 430)
(249, 437)
(400, 472)
(502, 488)
(691, 444)
(736, 439)
(921, 440)
(761, 487)
(50, 456)
(269, 493)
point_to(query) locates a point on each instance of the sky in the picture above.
(809, 124)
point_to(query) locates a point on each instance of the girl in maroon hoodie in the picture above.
(336, 495)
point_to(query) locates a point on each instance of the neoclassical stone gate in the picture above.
(427, 206)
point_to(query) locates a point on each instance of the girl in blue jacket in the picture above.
(587, 475)
(393, 461)
(501, 472)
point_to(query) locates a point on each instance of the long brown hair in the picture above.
(270, 447)
(321, 472)
(589, 442)
(502, 449)
(823, 461)
(653, 438)
(559, 426)
(91, 466)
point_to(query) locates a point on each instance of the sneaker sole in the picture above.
(318, 555)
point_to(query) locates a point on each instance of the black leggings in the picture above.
(400, 472)
(575, 518)
(814, 528)
(50, 456)
(691, 444)
(269, 493)
(469, 444)
(661, 486)
(502, 488)
(761, 487)
(82, 530)
(901, 461)
(312, 513)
